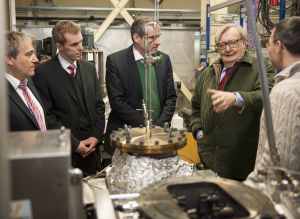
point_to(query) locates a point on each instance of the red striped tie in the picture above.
(72, 70)
(224, 79)
(32, 107)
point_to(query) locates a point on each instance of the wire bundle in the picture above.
(263, 14)
(295, 8)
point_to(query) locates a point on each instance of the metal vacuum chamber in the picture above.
(145, 156)
(40, 174)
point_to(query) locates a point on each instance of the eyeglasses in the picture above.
(231, 44)
(152, 38)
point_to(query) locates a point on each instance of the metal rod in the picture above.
(125, 196)
(95, 9)
(207, 35)
(4, 163)
(191, 21)
(264, 86)
(156, 12)
(147, 64)
(12, 15)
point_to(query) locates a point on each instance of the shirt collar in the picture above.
(14, 81)
(287, 72)
(137, 55)
(224, 69)
(64, 63)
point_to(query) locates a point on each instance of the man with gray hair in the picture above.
(25, 106)
(226, 107)
(284, 52)
(126, 86)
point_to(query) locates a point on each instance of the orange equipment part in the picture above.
(189, 152)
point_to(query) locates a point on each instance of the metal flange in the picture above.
(139, 141)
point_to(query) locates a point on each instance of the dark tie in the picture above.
(72, 70)
(224, 79)
(32, 107)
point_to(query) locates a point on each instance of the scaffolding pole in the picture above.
(4, 164)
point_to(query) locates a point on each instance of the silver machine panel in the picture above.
(40, 162)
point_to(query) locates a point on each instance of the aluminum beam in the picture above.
(225, 4)
(113, 14)
(4, 165)
(123, 12)
(96, 9)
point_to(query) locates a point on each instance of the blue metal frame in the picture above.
(282, 10)
(241, 16)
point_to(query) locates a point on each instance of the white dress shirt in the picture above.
(136, 54)
(65, 64)
(15, 83)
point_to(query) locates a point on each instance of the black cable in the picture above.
(295, 10)
(260, 17)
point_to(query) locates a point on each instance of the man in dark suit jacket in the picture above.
(71, 94)
(125, 83)
(25, 107)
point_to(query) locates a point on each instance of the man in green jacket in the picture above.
(227, 105)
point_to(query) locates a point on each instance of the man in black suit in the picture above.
(125, 81)
(25, 107)
(70, 91)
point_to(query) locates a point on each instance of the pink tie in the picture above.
(224, 79)
(72, 70)
(32, 107)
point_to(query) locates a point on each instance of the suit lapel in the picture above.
(65, 82)
(14, 96)
(133, 71)
(85, 82)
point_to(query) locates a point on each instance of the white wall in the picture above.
(178, 44)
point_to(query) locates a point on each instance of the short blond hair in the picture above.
(62, 27)
(14, 40)
(227, 27)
